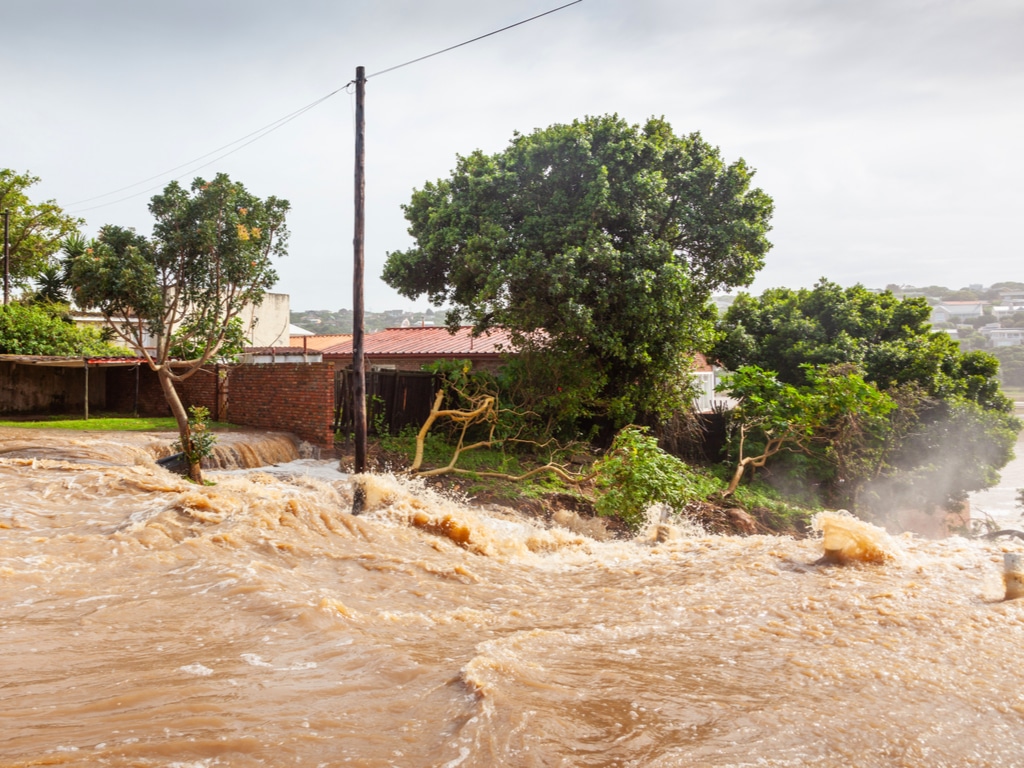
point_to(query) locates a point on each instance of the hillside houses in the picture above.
(957, 312)
(963, 320)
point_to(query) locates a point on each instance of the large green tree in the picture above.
(953, 428)
(210, 255)
(35, 229)
(607, 237)
(785, 329)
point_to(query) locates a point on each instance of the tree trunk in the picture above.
(736, 477)
(195, 472)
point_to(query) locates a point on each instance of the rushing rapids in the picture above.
(150, 622)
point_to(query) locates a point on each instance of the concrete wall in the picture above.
(35, 389)
(267, 325)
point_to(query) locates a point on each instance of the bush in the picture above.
(43, 330)
(201, 439)
(636, 473)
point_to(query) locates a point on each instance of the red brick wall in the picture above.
(294, 397)
(290, 397)
(201, 389)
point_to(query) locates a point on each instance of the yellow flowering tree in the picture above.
(210, 255)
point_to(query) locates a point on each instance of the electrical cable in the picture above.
(268, 128)
(467, 42)
(271, 127)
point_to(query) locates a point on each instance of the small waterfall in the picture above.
(252, 451)
(247, 450)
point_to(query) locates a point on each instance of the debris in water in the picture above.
(358, 497)
(176, 463)
(445, 526)
(1013, 575)
(849, 540)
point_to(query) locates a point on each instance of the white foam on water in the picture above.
(198, 670)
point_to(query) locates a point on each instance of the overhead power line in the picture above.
(467, 42)
(260, 133)
(247, 139)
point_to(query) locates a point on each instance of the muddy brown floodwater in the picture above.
(149, 622)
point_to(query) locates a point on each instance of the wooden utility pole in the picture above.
(7, 257)
(358, 367)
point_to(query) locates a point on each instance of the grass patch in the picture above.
(106, 424)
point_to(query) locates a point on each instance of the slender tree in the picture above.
(210, 255)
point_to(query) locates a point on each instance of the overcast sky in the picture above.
(890, 133)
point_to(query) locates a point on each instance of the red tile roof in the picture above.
(430, 340)
(700, 363)
(319, 341)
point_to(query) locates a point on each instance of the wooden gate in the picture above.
(394, 399)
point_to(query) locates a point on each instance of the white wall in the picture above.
(267, 325)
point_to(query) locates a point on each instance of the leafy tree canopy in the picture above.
(35, 229)
(609, 237)
(838, 422)
(890, 338)
(953, 428)
(210, 255)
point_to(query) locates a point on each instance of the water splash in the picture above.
(847, 539)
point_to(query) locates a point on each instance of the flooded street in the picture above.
(1000, 503)
(150, 622)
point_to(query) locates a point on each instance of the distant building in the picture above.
(409, 349)
(707, 378)
(318, 341)
(281, 355)
(1003, 337)
(1013, 299)
(957, 311)
(264, 326)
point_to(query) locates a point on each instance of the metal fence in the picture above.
(394, 399)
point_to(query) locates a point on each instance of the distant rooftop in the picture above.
(319, 341)
(429, 340)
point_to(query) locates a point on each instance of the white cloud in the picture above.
(888, 132)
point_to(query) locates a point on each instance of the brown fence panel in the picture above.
(394, 399)
(411, 399)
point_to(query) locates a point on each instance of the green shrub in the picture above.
(636, 473)
(43, 330)
(201, 439)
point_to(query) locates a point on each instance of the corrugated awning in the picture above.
(71, 362)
